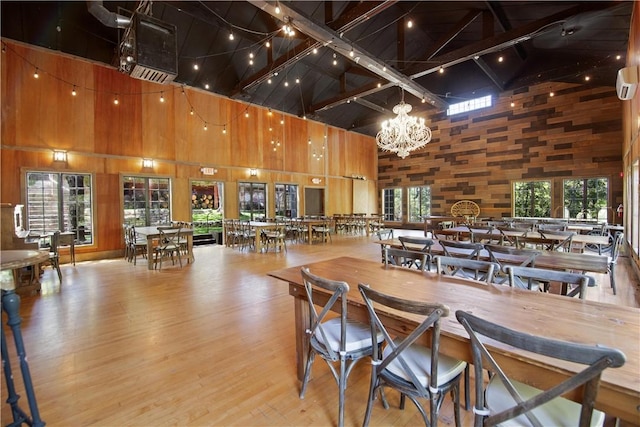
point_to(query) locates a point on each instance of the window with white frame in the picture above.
(470, 105)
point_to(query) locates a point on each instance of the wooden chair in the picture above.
(168, 246)
(461, 249)
(564, 239)
(322, 232)
(509, 234)
(416, 371)
(421, 244)
(467, 209)
(336, 340)
(533, 278)
(506, 402)
(405, 258)
(467, 268)
(54, 254)
(276, 238)
(509, 255)
(137, 245)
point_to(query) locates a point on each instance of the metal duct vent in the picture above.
(149, 51)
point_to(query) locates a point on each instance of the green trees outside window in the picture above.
(586, 198)
(532, 198)
(419, 203)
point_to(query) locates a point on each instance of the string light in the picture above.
(115, 101)
(409, 23)
(195, 66)
(35, 74)
(268, 43)
(205, 125)
(246, 114)
(224, 130)
(161, 97)
(231, 36)
(73, 91)
(500, 58)
(315, 50)
(206, 85)
(191, 111)
(441, 70)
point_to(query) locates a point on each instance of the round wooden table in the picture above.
(10, 260)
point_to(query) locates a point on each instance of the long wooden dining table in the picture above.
(152, 232)
(587, 239)
(548, 315)
(553, 260)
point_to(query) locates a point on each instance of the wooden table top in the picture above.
(553, 316)
(12, 259)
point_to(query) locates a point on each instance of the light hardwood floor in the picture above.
(211, 344)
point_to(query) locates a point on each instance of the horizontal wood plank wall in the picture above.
(476, 156)
(39, 115)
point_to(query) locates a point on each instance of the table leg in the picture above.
(301, 314)
(191, 258)
(309, 233)
(11, 305)
(150, 252)
(258, 241)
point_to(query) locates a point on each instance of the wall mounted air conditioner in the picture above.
(627, 82)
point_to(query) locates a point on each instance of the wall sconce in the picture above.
(147, 163)
(253, 172)
(59, 156)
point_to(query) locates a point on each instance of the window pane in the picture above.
(42, 202)
(532, 198)
(392, 204)
(419, 201)
(62, 202)
(252, 200)
(286, 200)
(147, 201)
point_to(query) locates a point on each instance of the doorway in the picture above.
(314, 201)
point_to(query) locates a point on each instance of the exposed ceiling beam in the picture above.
(348, 20)
(428, 54)
(343, 46)
(503, 40)
(503, 22)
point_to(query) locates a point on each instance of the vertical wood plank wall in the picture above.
(476, 156)
(39, 115)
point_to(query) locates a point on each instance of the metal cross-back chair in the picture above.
(613, 258)
(533, 278)
(509, 255)
(416, 371)
(473, 269)
(503, 401)
(406, 258)
(337, 340)
(420, 244)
